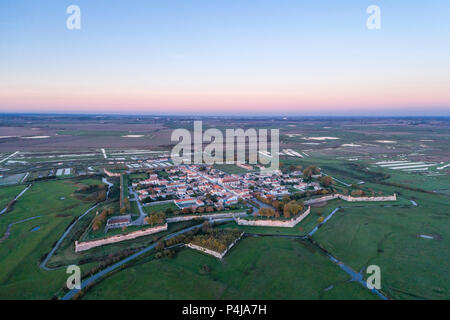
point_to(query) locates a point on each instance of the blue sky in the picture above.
(293, 57)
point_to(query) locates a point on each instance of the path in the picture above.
(342, 182)
(43, 264)
(139, 221)
(10, 156)
(16, 198)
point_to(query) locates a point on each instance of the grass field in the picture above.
(230, 168)
(257, 268)
(20, 253)
(9, 193)
(389, 237)
(160, 207)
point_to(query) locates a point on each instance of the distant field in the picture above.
(95, 133)
(12, 179)
(256, 268)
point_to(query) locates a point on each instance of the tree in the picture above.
(326, 181)
(286, 198)
(266, 212)
(201, 209)
(206, 226)
(160, 246)
(206, 268)
(310, 171)
(358, 193)
(186, 210)
(307, 174)
(292, 209)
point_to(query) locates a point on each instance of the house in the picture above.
(118, 222)
(188, 203)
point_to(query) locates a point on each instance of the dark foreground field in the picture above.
(258, 268)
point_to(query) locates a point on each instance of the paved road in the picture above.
(139, 221)
(214, 182)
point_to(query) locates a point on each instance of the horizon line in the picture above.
(210, 115)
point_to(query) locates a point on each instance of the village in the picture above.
(200, 189)
(152, 199)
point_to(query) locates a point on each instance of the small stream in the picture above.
(323, 222)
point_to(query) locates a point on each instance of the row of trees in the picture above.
(155, 218)
(95, 192)
(216, 239)
(100, 219)
(326, 181)
(286, 207)
(310, 171)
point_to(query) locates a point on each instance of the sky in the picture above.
(254, 57)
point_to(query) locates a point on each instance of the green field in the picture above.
(230, 168)
(21, 252)
(9, 193)
(256, 268)
(389, 237)
(160, 207)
